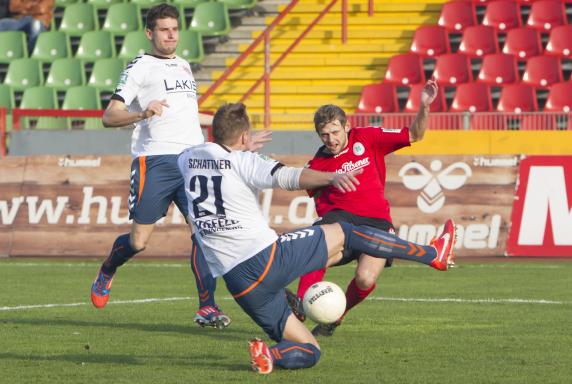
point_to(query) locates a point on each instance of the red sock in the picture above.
(355, 295)
(308, 280)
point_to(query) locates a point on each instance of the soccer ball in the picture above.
(324, 302)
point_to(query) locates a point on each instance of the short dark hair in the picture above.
(229, 122)
(160, 11)
(328, 113)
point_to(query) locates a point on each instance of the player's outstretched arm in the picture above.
(345, 182)
(428, 95)
(117, 115)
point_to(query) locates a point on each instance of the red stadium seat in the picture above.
(479, 40)
(560, 41)
(559, 98)
(453, 69)
(378, 98)
(546, 14)
(405, 69)
(502, 15)
(472, 97)
(538, 122)
(542, 71)
(499, 69)
(516, 98)
(523, 43)
(456, 16)
(430, 40)
(414, 100)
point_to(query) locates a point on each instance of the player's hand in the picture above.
(155, 107)
(257, 140)
(347, 182)
(429, 92)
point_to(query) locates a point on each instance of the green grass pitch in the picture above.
(495, 322)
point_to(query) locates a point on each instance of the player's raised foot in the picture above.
(212, 316)
(296, 305)
(326, 330)
(260, 357)
(444, 246)
(100, 289)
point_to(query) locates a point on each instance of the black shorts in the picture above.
(338, 215)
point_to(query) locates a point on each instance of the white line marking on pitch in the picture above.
(375, 298)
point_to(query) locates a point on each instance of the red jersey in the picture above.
(366, 149)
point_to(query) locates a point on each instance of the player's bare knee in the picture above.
(365, 279)
(334, 238)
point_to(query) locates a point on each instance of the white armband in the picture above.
(287, 178)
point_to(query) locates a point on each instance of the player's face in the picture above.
(164, 37)
(334, 136)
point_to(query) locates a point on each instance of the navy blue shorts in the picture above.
(257, 284)
(155, 182)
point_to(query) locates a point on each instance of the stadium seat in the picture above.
(65, 3)
(135, 44)
(546, 14)
(103, 4)
(542, 71)
(13, 45)
(538, 122)
(457, 15)
(560, 41)
(24, 73)
(472, 97)
(78, 19)
(479, 40)
(189, 4)
(516, 98)
(239, 4)
(65, 73)
(405, 69)
(6, 97)
(146, 4)
(211, 19)
(499, 69)
(51, 45)
(453, 69)
(378, 98)
(96, 45)
(190, 46)
(106, 73)
(559, 98)
(122, 18)
(414, 100)
(39, 98)
(430, 40)
(502, 15)
(523, 43)
(82, 97)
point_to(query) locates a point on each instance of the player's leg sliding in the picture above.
(286, 354)
(295, 299)
(378, 243)
(209, 314)
(120, 253)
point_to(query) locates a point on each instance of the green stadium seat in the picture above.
(189, 4)
(65, 3)
(78, 19)
(103, 4)
(39, 98)
(239, 4)
(122, 18)
(134, 44)
(6, 97)
(13, 45)
(65, 73)
(146, 4)
(52, 45)
(24, 73)
(106, 73)
(83, 97)
(211, 19)
(96, 45)
(190, 46)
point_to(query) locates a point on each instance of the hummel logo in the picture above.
(295, 235)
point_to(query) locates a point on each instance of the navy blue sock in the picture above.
(378, 243)
(206, 283)
(121, 252)
(292, 355)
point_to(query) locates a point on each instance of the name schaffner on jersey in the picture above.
(222, 188)
(149, 78)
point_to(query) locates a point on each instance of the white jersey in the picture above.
(223, 187)
(147, 78)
